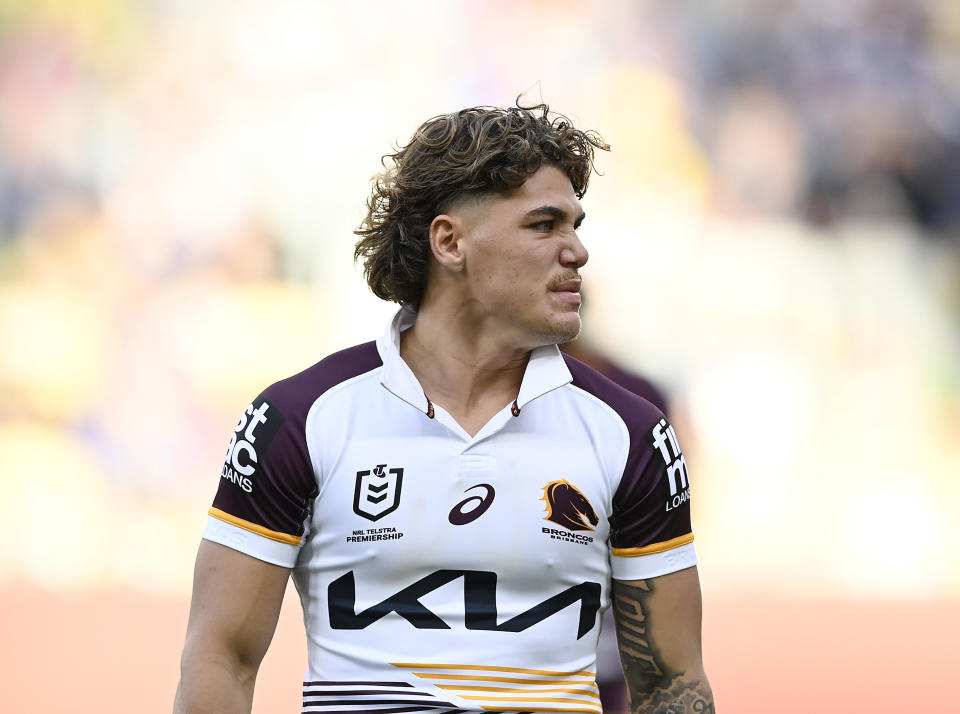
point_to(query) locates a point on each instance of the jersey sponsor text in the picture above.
(255, 430)
(232, 476)
(479, 604)
(665, 441)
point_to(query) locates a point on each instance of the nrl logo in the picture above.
(377, 492)
(568, 507)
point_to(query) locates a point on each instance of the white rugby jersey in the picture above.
(443, 572)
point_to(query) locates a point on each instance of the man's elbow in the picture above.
(215, 680)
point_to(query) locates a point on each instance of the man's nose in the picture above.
(574, 254)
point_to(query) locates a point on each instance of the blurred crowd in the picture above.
(776, 238)
(833, 111)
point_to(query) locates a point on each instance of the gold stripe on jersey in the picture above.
(478, 678)
(459, 688)
(493, 668)
(254, 528)
(542, 686)
(654, 547)
(525, 700)
(589, 709)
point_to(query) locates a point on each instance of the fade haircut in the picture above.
(470, 153)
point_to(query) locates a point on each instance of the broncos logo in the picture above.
(568, 507)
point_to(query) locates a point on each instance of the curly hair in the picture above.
(470, 153)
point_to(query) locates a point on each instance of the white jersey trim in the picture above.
(653, 565)
(257, 546)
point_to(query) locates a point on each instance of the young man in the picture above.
(457, 501)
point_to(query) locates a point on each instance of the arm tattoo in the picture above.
(635, 649)
(654, 688)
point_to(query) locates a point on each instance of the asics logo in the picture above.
(472, 507)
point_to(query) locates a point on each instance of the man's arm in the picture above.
(233, 615)
(658, 631)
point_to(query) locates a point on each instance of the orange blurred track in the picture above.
(118, 651)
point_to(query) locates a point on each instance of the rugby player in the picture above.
(457, 502)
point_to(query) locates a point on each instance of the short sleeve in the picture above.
(650, 532)
(263, 503)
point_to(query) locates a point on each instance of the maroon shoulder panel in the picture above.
(652, 502)
(267, 478)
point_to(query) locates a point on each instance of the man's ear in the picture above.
(446, 233)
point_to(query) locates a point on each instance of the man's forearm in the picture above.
(212, 685)
(654, 686)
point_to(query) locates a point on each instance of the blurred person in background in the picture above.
(403, 482)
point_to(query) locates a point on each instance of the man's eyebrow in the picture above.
(554, 212)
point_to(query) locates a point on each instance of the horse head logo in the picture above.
(568, 507)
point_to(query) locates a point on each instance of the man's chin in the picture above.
(566, 329)
(554, 331)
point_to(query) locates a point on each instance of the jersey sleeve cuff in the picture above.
(641, 567)
(253, 544)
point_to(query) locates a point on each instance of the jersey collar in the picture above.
(396, 376)
(545, 371)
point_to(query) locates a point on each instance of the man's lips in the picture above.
(567, 286)
(568, 291)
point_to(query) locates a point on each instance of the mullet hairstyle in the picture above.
(467, 154)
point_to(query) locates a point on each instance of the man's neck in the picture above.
(466, 368)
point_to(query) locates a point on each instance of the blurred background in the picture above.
(775, 242)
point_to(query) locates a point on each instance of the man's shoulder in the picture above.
(636, 411)
(297, 392)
